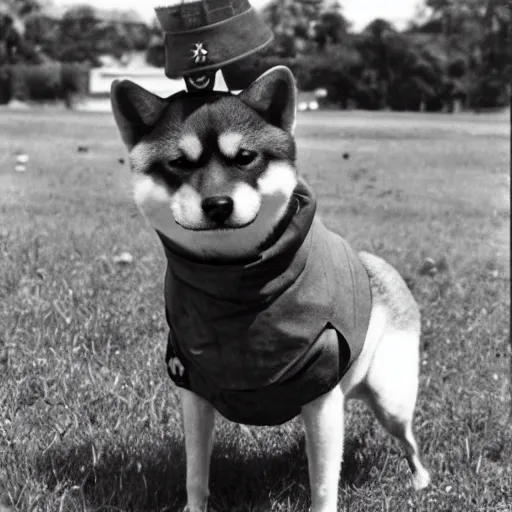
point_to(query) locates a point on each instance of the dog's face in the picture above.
(213, 173)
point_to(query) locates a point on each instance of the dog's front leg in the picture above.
(198, 426)
(323, 422)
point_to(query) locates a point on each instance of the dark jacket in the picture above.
(247, 334)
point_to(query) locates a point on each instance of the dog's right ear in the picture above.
(274, 96)
(136, 110)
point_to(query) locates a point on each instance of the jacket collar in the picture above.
(275, 269)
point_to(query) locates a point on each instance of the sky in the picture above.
(359, 12)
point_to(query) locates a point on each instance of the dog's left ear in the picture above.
(136, 110)
(274, 96)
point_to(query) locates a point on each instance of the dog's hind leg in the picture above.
(390, 386)
(323, 422)
(198, 427)
(390, 391)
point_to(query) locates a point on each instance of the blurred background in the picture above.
(431, 55)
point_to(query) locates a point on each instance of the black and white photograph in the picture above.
(255, 256)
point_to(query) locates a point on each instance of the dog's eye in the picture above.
(245, 157)
(182, 163)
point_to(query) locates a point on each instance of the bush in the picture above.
(155, 55)
(74, 81)
(5, 85)
(336, 69)
(49, 81)
(490, 91)
(36, 82)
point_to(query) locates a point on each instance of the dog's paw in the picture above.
(421, 479)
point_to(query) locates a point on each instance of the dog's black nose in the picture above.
(218, 208)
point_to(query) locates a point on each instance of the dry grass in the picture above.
(88, 418)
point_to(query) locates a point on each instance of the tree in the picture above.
(332, 27)
(13, 45)
(336, 68)
(296, 24)
(85, 34)
(21, 8)
(475, 41)
(495, 74)
(155, 54)
(42, 33)
(77, 35)
(379, 44)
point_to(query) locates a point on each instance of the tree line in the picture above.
(458, 53)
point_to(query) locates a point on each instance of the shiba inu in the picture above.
(271, 315)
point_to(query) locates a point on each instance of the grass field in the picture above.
(89, 420)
